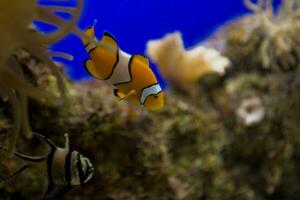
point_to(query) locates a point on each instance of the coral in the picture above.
(16, 18)
(183, 66)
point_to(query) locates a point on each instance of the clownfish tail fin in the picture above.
(90, 33)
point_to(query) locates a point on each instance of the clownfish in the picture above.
(66, 168)
(130, 75)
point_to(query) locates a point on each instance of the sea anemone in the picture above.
(279, 32)
(16, 18)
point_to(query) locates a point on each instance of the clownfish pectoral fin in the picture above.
(121, 96)
(143, 59)
(118, 94)
(131, 92)
(92, 69)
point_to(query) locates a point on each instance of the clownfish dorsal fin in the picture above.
(109, 40)
(142, 58)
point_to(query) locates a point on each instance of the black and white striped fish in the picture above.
(65, 168)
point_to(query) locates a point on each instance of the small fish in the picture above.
(131, 75)
(65, 168)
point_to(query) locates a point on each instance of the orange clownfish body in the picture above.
(131, 75)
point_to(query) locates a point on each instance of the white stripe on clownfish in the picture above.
(121, 73)
(150, 90)
(90, 47)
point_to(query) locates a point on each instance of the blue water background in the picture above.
(134, 22)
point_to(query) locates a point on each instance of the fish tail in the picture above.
(90, 32)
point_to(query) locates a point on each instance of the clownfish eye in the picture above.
(155, 97)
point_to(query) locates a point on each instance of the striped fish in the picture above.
(65, 168)
(130, 75)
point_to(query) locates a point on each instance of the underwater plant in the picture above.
(16, 18)
(179, 65)
(278, 31)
